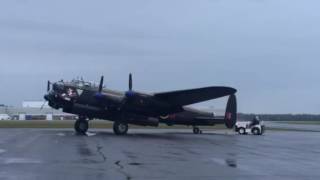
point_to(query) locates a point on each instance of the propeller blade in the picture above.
(130, 82)
(48, 86)
(44, 103)
(101, 84)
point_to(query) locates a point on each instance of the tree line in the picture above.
(280, 117)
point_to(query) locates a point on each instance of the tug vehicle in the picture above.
(255, 127)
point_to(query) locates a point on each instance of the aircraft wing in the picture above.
(192, 96)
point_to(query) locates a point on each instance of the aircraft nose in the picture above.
(50, 96)
(56, 87)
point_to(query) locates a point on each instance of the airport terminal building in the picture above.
(32, 110)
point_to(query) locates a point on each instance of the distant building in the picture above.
(31, 110)
(35, 104)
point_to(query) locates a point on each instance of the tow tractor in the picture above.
(255, 127)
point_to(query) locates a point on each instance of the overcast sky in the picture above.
(268, 49)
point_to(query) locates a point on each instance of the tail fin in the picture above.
(231, 112)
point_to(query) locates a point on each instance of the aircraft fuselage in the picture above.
(84, 101)
(89, 101)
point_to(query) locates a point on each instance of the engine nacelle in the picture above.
(85, 110)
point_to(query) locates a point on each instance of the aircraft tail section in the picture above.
(231, 112)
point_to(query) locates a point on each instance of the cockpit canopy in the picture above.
(75, 83)
(82, 83)
(79, 83)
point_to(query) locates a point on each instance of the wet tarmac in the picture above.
(157, 154)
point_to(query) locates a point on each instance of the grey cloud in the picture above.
(268, 50)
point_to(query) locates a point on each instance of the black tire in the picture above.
(256, 131)
(196, 130)
(242, 131)
(263, 130)
(81, 126)
(120, 128)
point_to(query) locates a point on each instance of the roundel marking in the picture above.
(229, 116)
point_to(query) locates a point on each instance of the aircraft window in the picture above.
(59, 83)
(87, 84)
(80, 84)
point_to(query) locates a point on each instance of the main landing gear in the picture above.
(81, 126)
(196, 130)
(120, 128)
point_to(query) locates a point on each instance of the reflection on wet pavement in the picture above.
(157, 154)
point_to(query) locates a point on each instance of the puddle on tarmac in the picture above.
(90, 134)
(231, 163)
(135, 164)
(61, 134)
(228, 162)
(20, 161)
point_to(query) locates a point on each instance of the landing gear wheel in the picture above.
(120, 128)
(196, 130)
(256, 131)
(242, 131)
(81, 126)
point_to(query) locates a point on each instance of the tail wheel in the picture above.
(120, 128)
(242, 131)
(196, 130)
(81, 126)
(256, 131)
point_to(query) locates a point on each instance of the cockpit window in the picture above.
(83, 84)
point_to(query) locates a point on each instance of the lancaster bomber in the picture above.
(90, 101)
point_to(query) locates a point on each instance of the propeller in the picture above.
(99, 93)
(101, 84)
(130, 93)
(130, 82)
(44, 103)
(121, 101)
(45, 97)
(48, 86)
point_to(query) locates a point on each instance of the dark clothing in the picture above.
(254, 122)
